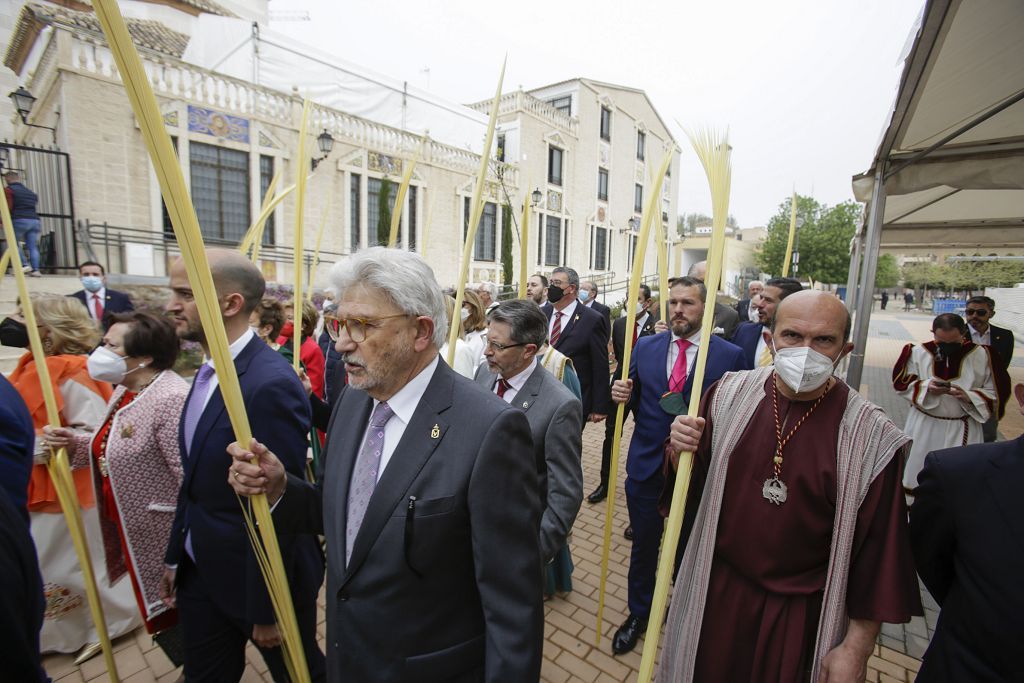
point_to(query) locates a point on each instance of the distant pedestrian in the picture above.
(885, 299)
(22, 203)
(908, 300)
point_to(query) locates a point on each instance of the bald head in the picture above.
(699, 271)
(820, 309)
(233, 273)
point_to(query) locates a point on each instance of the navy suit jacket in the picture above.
(114, 302)
(967, 534)
(599, 307)
(648, 370)
(279, 416)
(584, 339)
(747, 336)
(17, 443)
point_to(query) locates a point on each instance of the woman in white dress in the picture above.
(474, 325)
(68, 334)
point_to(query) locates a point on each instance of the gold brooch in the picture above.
(127, 432)
(435, 432)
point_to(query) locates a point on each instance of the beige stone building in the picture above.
(589, 147)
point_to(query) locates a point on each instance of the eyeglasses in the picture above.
(357, 327)
(980, 312)
(495, 346)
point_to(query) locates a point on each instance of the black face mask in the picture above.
(13, 333)
(947, 349)
(555, 294)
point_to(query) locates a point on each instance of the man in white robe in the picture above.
(949, 383)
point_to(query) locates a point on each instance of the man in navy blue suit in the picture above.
(750, 336)
(220, 593)
(581, 334)
(101, 302)
(967, 534)
(661, 364)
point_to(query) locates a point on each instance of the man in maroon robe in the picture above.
(795, 554)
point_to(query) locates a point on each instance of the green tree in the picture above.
(506, 245)
(822, 239)
(887, 273)
(384, 212)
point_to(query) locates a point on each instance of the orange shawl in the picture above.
(42, 496)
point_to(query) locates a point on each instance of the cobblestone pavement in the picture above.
(571, 654)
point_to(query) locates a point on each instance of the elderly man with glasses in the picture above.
(429, 509)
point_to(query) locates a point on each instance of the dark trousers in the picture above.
(215, 642)
(648, 526)
(609, 439)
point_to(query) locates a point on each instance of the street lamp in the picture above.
(634, 223)
(325, 143)
(23, 101)
(536, 196)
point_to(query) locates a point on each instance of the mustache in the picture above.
(347, 358)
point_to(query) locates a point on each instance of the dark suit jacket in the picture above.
(114, 302)
(279, 416)
(743, 310)
(747, 336)
(444, 581)
(599, 307)
(649, 372)
(1002, 343)
(967, 534)
(21, 600)
(17, 443)
(584, 339)
(556, 424)
(727, 319)
(619, 334)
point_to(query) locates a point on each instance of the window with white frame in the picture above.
(555, 158)
(553, 241)
(485, 244)
(355, 206)
(606, 123)
(602, 184)
(220, 190)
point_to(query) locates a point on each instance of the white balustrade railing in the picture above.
(179, 80)
(522, 101)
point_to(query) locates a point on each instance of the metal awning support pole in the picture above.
(866, 298)
(856, 253)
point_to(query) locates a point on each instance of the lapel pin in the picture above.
(435, 432)
(526, 404)
(127, 432)
(577, 318)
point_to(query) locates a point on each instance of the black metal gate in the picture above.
(47, 172)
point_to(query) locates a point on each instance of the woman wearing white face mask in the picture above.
(474, 325)
(134, 455)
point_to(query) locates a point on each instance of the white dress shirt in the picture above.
(516, 382)
(981, 339)
(403, 405)
(235, 348)
(567, 314)
(90, 302)
(761, 344)
(691, 353)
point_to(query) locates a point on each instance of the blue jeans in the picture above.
(27, 230)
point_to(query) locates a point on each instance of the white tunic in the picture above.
(939, 421)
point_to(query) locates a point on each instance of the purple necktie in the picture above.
(364, 474)
(197, 403)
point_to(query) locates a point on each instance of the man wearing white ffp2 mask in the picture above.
(798, 460)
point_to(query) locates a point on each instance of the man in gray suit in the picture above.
(429, 507)
(517, 330)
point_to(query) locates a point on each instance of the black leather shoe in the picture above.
(599, 494)
(627, 635)
(628, 533)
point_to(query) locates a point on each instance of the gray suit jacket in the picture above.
(556, 422)
(444, 582)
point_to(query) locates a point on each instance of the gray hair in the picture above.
(570, 274)
(492, 289)
(529, 324)
(404, 279)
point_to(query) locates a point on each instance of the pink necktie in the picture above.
(677, 380)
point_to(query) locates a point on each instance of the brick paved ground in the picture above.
(570, 653)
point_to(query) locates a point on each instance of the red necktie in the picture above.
(503, 386)
(556, 329)
(636, 332)
(97, 306)
(677, 380)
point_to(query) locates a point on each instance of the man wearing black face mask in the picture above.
(582, 335)
(951, 387)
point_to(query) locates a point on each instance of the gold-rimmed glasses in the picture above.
(357, 327)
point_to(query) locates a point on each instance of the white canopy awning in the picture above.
(949, 169)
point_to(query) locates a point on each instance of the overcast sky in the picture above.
(804, 86)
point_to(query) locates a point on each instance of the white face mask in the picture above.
(802, 368)
(106, 366)
(639, 309)
(584, 295)
(464, 314)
